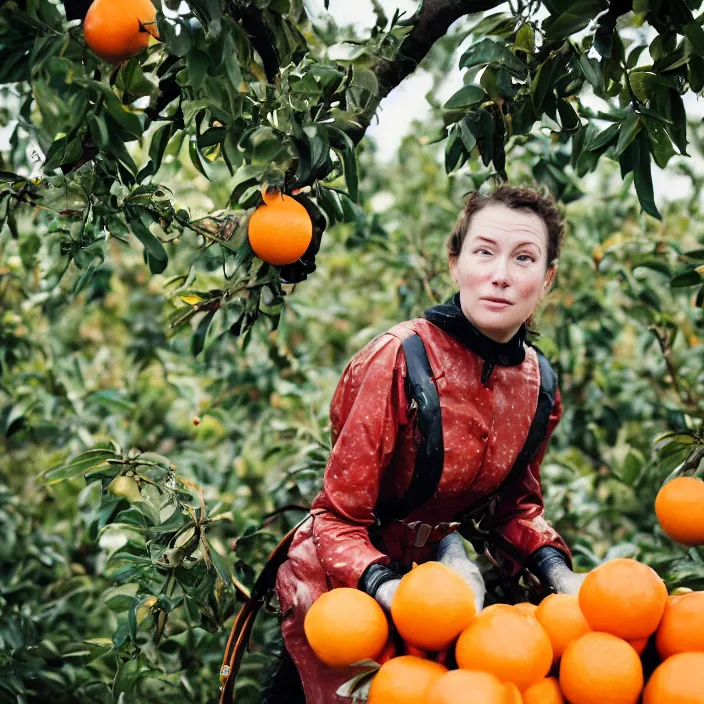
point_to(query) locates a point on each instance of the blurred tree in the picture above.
(123, 591)
(251, 93)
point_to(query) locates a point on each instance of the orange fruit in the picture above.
(678, 680)
(344, 626)
(563, 621)
(599, 667)
(507, 643)
(511, 694)
(119, 29)
(431, 606)
(682, 626)
(679, 507)
(404, 680)
(623, 597)
(466, 687)
(527, 608)
(638, 644)
(546, 691)
(280, 230)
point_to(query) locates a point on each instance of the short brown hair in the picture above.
(517, 198)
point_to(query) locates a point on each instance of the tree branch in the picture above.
(434, 20)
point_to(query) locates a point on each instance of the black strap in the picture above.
(539, 426)
(421, 389)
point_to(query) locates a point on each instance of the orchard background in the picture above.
(139, 335)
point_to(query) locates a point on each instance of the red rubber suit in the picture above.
(374, 445)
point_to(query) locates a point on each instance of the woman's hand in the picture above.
(451, 553)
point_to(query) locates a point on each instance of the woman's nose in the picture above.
(500, 274)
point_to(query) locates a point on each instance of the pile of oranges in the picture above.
(581, 649)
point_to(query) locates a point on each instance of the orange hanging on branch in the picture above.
(280, 230)
(117, 30)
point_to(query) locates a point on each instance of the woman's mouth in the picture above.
(496, 304)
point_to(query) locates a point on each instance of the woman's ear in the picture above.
(452, 265)
(550, 279)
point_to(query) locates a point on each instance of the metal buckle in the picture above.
(422, 534)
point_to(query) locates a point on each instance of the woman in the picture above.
(503, 256)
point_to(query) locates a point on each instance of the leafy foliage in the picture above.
(123, 591)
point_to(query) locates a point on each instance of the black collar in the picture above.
(450, 318)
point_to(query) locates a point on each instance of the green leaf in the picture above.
(627, 133)
(55, 155)
(130, 121)
(365, 78)
(157, 147)
(694, 32)
(111, 400)
(221, 565)
(500, 24)
(679, 121)
(542, 85)
(466, 97)
(525, 39)
(592, 72)
(132, 80)
(603, 139)
(643, 84)
(466, 134)
(158, 258)
(686, 278)
(658, 265)
(487, 52)
(78, 465)
(341, 141)
(568, 116)
(632, 467)
(633, 57)
(198, 340)
(245, 177)
(661, 145)
(455, 154)
(195, 157)
(120, 598)
(642, 175)
(695, 73)
(522, 115)
(198, 63)
(572, 20)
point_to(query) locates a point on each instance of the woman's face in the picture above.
(504, 256)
